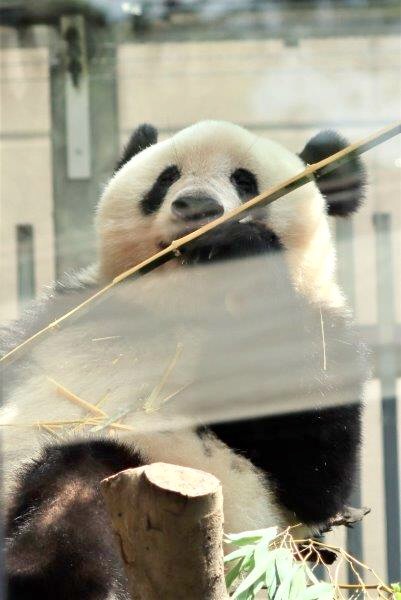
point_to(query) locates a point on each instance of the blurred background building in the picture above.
(77, 76)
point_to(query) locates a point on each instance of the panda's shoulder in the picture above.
(55, 299)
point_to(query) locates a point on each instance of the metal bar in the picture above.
(387, 374)
(25, 264)
(77, 116)
(346, 275)
(75, 198)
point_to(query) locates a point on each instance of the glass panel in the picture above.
(219, 343)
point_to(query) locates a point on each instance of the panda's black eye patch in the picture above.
(245, 183)
(169, 175)
(153, 199)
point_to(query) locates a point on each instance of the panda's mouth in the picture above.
(233, 239)
(183, 231)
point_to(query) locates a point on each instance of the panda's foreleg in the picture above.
(310, 458)
(59, 543)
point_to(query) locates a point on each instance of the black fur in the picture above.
(144, 136)
(60, 544)
(155, 196)
(342, 187)
(245, 183)
(311, 457)
(230, 241)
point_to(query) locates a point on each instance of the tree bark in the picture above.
(169, 523)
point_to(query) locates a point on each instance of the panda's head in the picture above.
(162, 190)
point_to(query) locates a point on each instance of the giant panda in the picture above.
(283, 437)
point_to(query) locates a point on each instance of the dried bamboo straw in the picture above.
(267, 197)
(63, 391)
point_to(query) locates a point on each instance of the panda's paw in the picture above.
(347, 517)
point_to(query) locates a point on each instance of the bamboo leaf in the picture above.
(251, 537)
(283, 590)
(240, 553)
(298, 583)
(271, 580)
(243, 564)
(318, 591)
(310, 574)
(258, 585)
(255, 574)
(284, 561)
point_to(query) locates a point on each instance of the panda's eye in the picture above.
(169, 175)
(245, 182)
(154, 197)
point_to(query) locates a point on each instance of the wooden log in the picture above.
(169, 524)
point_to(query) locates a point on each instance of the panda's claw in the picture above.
(349, 516)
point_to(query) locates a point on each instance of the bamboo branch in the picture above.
(63, 391)
(267, 197)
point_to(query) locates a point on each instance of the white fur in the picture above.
(207, 153)
(72, 359)
(125, 370)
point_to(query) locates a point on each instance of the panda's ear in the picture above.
(343, 188)
(142, 137)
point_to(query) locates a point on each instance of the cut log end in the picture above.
(169, 521)
(181, 480)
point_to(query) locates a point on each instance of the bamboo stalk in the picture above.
(267, 197)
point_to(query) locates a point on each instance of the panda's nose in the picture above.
(195, 208)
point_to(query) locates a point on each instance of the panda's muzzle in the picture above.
(196, 208)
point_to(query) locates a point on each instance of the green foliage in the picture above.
(261, 562)
(396, 587)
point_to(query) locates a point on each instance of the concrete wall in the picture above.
(26, 195)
